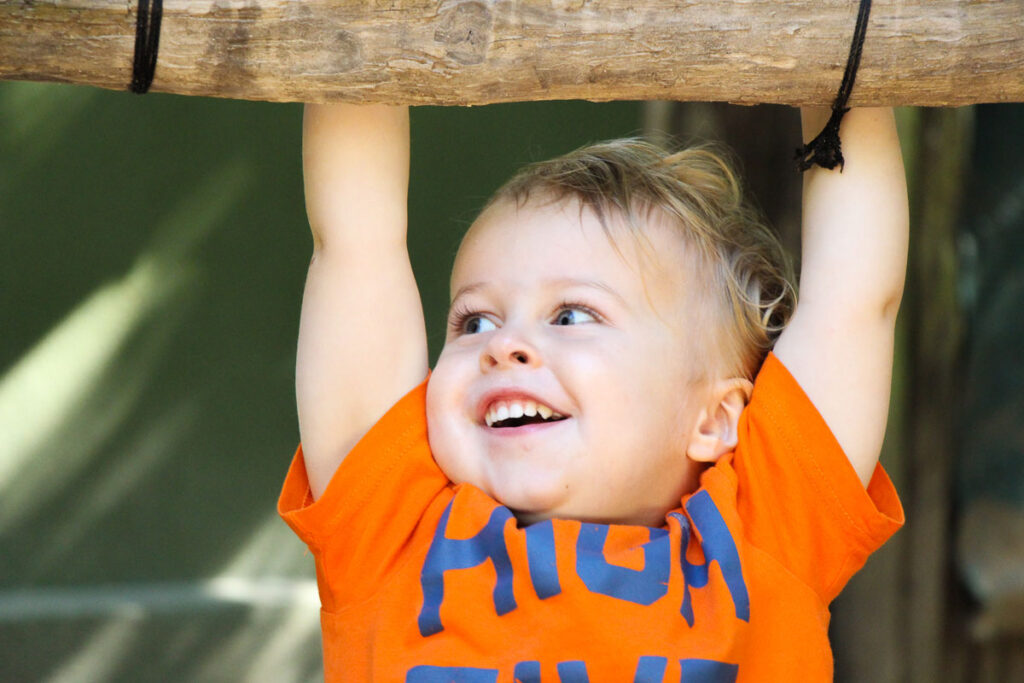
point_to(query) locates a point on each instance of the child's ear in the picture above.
(715, 431)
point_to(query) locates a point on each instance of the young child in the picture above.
(609, 475)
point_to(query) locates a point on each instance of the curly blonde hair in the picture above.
(751, 286)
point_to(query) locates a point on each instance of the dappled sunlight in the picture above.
(277, 640)
(265, 552)
(154, 444)
(50, 385)
(51, 390)
(225, 628)
(141, 600)
(100, 657)
(154, 262)
(76, 441)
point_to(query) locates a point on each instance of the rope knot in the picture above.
(825, 149)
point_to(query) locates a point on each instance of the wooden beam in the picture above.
(460, 52)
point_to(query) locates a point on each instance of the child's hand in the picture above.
(839, 343)
(362, 342)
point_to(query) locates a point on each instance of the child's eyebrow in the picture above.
(563, 283)
(559, 283)
(468, 289)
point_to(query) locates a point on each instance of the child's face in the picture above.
(548, 312)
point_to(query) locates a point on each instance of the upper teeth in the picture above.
(502, 410)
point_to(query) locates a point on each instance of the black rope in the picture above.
(147, 41)
(826, 150)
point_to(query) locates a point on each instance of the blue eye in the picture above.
(573, 316)
(476, 324)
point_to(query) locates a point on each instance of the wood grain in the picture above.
(462, 52)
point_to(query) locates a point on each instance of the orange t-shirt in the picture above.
(425, 581)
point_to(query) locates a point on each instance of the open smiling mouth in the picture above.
(520, 421)
(515, 414)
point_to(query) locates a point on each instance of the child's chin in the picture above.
(533, 505)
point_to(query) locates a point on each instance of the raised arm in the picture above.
(839, 344)
(362, 342)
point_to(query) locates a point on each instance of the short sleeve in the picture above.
(373, 504)
(798, 496)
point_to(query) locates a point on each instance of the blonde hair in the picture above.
(751, 290)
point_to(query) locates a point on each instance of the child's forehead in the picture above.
(568, 222)
(562, 239)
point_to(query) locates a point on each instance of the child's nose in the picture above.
(505, 350)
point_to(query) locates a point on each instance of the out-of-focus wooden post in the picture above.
(935, 331)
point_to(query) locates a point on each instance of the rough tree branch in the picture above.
(458, 52)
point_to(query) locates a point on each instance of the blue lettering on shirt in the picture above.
(540, 552)
(718, 546)
(648, 670)
(707, 671)
(450, 674)
(446, 554)
(642, 586)
(573, 672)
(527, 672)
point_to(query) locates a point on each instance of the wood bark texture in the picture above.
(462, 52)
